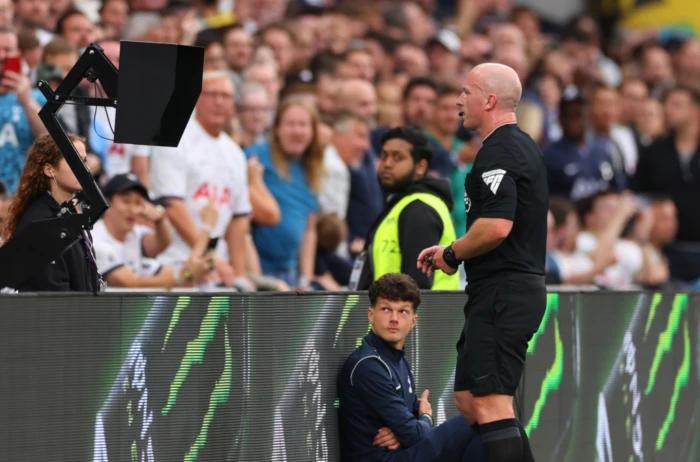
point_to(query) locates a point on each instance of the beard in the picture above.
(399, 184)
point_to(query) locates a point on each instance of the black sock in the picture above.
(527, 452)
(502, 441)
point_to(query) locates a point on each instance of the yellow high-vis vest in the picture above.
(386, 253)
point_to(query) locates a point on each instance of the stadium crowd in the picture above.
(280, 158)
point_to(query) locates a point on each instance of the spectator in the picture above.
(565, 263)
(214, 55)
(605, 215)
(411, 61)
(663, 231)
(19, 114)
(550, 94)
(458, 182)
(416, 214)
(633, 94)
(280, 39)
(671, 165)
(30, 49)
(445, 122)
(650, 122)
(331, 270)
(327, 89)
(254, 115)
(443, 55)
(114, 15)
(34, 14)
(656, 70)
(616, 139)
(293, 162)
(238, 49)
(206, 166)
(7, 13)
(358, 97)
(584, 35)
(360, 64)
(56, 10)
(419, 100)
(62, 55)
(655, 271)
(125, 250)
(265, 74)
(349, 143)
(75, 27)
(388, 104)
(688, 64)
(577, 167)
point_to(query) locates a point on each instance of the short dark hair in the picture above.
(694, 95)
(585, 205)
(395, 287)
(60, 22)
(560, 208)
(446, 88)
(420, 148)
(419, 82)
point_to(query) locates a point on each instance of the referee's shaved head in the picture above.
(500, 80)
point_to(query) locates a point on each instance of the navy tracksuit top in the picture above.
(376, 389)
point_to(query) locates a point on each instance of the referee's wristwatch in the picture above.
(449, 256)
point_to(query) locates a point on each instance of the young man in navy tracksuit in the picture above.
(381, 418)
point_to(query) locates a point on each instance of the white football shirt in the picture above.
(201, 168)
(111, 253)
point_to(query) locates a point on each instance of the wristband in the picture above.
(449, 256)
(183, 274)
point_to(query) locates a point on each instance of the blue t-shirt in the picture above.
(15, 137)
(278, 246)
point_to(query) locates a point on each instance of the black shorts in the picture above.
(501, 315)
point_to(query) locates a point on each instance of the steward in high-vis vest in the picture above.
(416, 213)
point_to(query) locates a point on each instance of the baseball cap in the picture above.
(570, 95)
(124, 182)
(447, 39)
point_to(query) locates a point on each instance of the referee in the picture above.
(504, 252)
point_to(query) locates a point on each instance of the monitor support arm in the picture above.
(92, 65)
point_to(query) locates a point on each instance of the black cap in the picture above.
(570, 95)
(124, 182)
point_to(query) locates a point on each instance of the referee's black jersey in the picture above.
(509, 180)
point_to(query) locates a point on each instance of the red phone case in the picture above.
(12, 63)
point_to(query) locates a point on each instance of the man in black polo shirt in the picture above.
(504, 252)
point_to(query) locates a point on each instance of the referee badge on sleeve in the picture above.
(493, 179)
